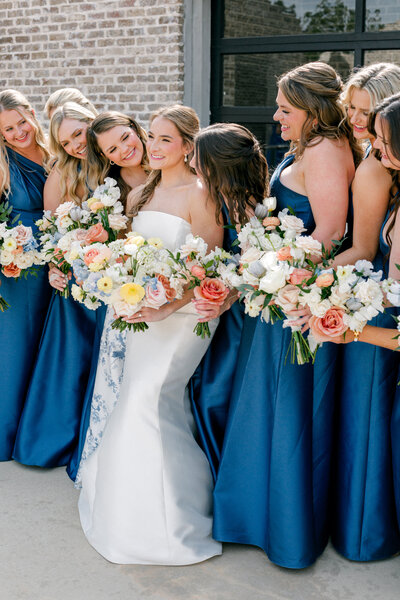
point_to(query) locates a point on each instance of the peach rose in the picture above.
(212, 290)
(155, 295)
(288, 298)
(271, 223)
(95, 206)
(324, 280)
(22, 234)
(80, 235)
(299, 276)
(329, 326)
(11, 270)
(198, 271)
(96, 233)
(97, 255)
(169, 291)
(284, 253)
(18, 250)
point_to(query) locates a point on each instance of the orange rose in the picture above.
(271, 223)
(328, 326)
(284, 253)
(198, 271)
(324, 280)
(212, 290)
(95, 206)
(299, 276)
(96, 233)
(18, 250)
(11, 270)
(170, 293)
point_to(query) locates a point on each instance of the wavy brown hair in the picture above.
(73, 170)
(315, 88)
(389, 112)
(187, 123)
(99, 166)
(234, 170)
(14, 100)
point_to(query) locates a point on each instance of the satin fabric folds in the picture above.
(273, 482)
(21, 325)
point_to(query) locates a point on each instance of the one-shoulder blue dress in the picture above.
(49, 427)
(364, 523)
(272, 487)
(21, 325)
(211, 385)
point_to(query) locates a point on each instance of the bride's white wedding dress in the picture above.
(146, 493)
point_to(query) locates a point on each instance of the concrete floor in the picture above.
(44, 556)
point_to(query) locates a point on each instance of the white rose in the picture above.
(24, 260)
(64, 208)
(117, 222)
(319, 309)
(194, 244)
(250, 255)
(272, 281)
(6, 257)
(290, 222)
(309, 245)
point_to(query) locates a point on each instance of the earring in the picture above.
(112, 163)
(186, 158)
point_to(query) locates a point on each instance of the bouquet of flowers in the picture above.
(128, 275)
(72, 227)
(341, 300)
(209, 274)
(391, 288)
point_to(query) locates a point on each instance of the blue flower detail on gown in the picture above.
(364, 513)
(21, 325)
(103, 391)
(272, 488)
(49, 426)
(211, 384)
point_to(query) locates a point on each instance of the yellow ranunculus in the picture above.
(92, 201)
(105, 284)
(156, 242)
(94, 267)
(138, 240)
(132, 293)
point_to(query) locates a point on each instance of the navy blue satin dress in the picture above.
(50, 424)
(21, 325)
(273, 483)
(211, 385)
(364, 525)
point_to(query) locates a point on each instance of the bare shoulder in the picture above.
(326, 149)
(199, 200)
(371, 174)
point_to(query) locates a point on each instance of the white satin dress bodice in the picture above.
(146, 493)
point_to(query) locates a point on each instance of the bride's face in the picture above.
(165, 147)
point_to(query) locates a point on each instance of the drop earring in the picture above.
(112, 163)
(186, 158)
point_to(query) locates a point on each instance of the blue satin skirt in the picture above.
(20, 330)
(49, 426)
(273, 483)
(395, 436)
(364, 511)
(73, 464)
(211, 385)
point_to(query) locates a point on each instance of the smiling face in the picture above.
(165, 146)
(16, 129)
(72, 137)
(290, 118)
(121, 145)
(358, 113)
(381, 143)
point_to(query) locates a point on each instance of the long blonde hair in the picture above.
(99, 165)
(14, 100)
(60, 97)
(315, 88)
(187, 123)
(73, 170)
(379, 81)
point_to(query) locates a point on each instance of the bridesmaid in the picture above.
(60, 97)
(272, 488)
(23, 163)
(116, 147)
(385, 126)
(229, 161)
(50, 420)
(364, 523)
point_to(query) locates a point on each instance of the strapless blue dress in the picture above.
(364, 524)
(211, 385)
(50, 423)
(273, 483)
(21, 325)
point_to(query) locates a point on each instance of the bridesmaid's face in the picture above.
(16, 129)
(358, 113)
(290, 118)
(165, 147)
(72, 137)
(387, 158)
(122, 145)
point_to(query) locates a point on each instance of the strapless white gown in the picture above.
(146, 493)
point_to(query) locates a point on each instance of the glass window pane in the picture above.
(376, 56)
(250, 79)
(268, 134)
(383, 15)
(248, 18)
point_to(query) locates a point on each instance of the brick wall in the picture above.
(122, 54)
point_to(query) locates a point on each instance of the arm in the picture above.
(327, 177)
(371, 188)
(51, 192)
(395, 249)
(377, 336)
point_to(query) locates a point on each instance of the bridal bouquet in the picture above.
(128, 274)
(209, 274)
(72, 227)
(341, 300)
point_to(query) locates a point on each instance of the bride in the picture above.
(146, 493)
